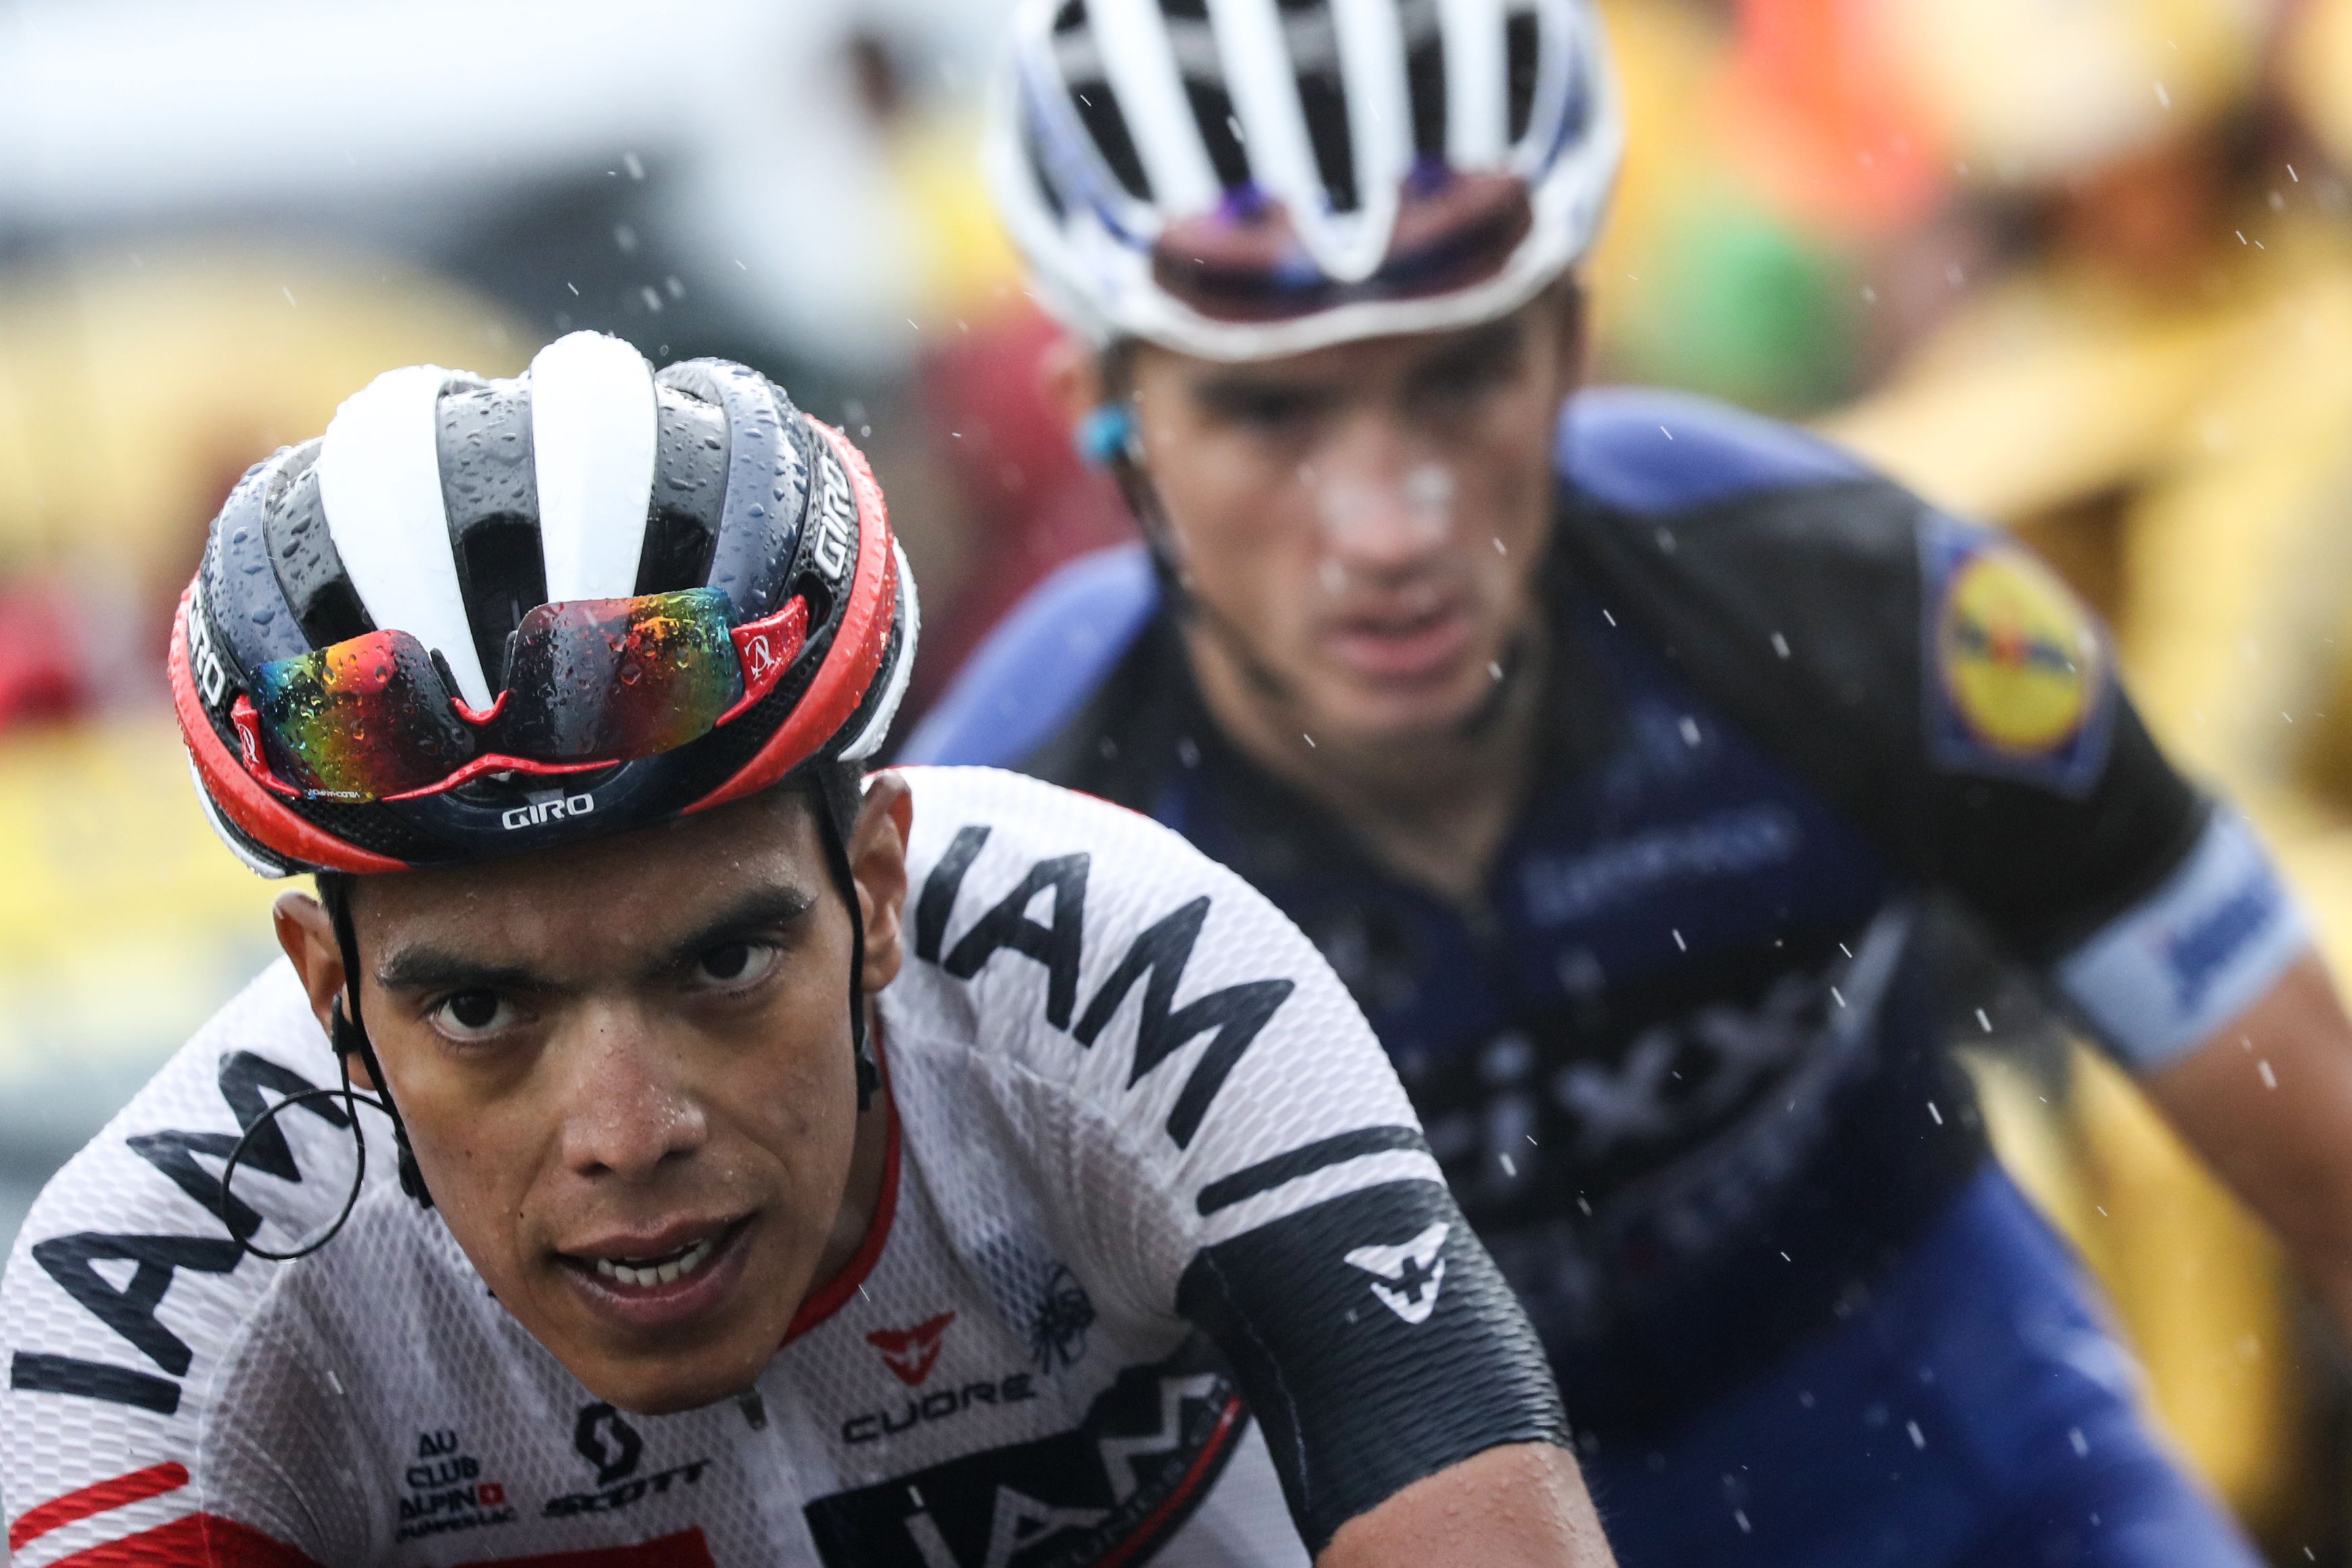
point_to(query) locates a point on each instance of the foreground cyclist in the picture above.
(1000, 1111)
(1615, 750)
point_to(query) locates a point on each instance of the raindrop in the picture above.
(624, 239)
(635, 167)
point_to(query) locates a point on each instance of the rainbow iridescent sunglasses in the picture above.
(590, 683)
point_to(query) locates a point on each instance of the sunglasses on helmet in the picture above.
(591, 682)
(1244, 262)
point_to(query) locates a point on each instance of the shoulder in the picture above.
(156, 1166)
(1648, 451)
(1038, 669)
(1106, 954)
(128, 1291)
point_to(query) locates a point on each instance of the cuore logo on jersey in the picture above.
(2019, 655)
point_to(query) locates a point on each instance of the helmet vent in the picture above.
(1098, 107)
(505, 579)
(1424, 67)
(1194, 45)
(1312, 33)
(1523, 54)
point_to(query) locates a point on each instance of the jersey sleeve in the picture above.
(1242, 1148)
(1952, 696)
(127, 1303)
(2153, 910)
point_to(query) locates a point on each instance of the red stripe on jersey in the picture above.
(687, 1549)
(1203, 1462)
(823, 1303)
(194, 1540)
(104, 1497)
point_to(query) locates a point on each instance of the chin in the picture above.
(1431, 712)
(666, 1389)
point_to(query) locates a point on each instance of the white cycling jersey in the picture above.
(1149, 1173)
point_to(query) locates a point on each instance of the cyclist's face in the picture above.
(633, 1055)
(1366, 519)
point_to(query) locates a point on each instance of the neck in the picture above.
(1433, 806)
(868, 1165)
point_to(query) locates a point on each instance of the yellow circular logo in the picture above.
(2020, 654)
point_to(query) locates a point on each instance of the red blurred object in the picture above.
(1818, 115)
(43, 674)
(1031, 501)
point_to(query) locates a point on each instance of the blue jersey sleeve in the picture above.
(1038, 669)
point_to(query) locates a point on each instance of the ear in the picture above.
(1073, 377)
(308, 938)
(877, 864)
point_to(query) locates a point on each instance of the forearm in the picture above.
(2268, 1102)
(1519, 1506)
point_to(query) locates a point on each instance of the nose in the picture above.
(1384, 507)
(628, 1110)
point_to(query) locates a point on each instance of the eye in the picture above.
(732, 966)
(474, 1015)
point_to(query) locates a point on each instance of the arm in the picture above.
(2267, 1099)
(1525, 1504)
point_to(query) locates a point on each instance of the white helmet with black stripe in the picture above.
(1241, 179)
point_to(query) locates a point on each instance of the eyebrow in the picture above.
(1226, 391)
(762, 908)
(424, 967)
(1496, 342)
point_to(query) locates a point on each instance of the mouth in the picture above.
(1405, 644)
(657, 1270)
(662, 1279)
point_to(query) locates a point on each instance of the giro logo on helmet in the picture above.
(555, 807)
(212, 676)
(833, 523)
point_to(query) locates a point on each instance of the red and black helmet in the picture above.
(479, 617)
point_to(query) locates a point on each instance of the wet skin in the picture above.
(627, 1069)
(1343, 511)
(1360, 529)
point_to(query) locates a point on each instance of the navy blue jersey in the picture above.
(1681, 1060)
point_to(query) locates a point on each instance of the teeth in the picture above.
(676, 1268)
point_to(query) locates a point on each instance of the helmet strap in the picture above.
(349, 1036)
(838, 802)
(1125, 461)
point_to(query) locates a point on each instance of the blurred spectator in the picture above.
(2153, 386)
